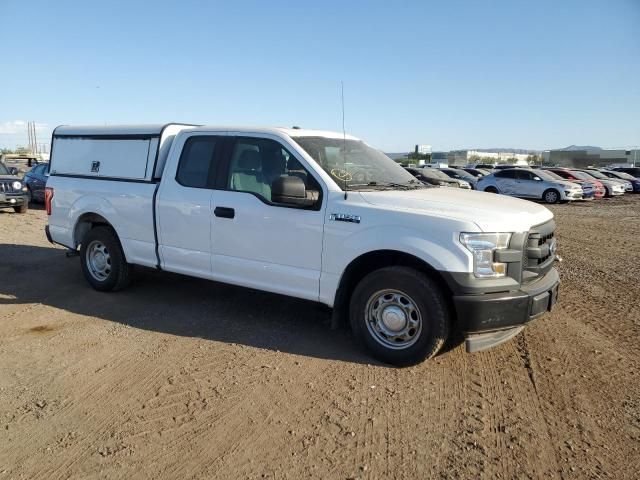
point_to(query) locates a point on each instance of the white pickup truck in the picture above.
(311, 214)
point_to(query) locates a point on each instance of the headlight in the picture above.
(16, 185)
(482, 246)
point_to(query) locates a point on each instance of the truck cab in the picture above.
(311, 214)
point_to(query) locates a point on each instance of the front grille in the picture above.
(539, 252)
(6, 187)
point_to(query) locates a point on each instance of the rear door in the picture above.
(525, 184)
(506, 182)
(256, 242)
(183, 206)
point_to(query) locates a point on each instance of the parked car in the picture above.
(628, 186)
(527, 183)
(567, 174)
(275, 209)
(588, 188)
(504, 166)
(460, 174)
(635, 182)
(612, 187)
(13, 194)
(476, 172)
(484, 166)
(436, 177)
(633, 171)
(35, 180)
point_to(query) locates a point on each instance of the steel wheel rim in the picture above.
(552, 197)
(98, 261)
(393, 319)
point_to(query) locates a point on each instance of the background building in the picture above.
(580, 157)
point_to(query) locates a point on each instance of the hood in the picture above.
(489, 211)
(610, 182)
(11, 178)
(564, 183)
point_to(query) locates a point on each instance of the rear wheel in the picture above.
(399, 315)
(103, 262)
(551, 196)
(491, 190)
(22, 208)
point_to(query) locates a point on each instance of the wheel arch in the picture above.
(87, 221)
(552, 189)
(368, 262)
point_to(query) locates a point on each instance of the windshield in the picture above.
(624, 175)
(3, 170)
(581, 175)
(357, 164)
(459, 174)
(437, 174)
(548, 175)
(599, 175)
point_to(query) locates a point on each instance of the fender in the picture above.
(92, 204)
(441, 252)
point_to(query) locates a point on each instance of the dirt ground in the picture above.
(184, 378)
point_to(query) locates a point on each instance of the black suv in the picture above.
(13, 193)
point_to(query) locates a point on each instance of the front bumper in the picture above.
(489, 319)
(573, 195)
(11, 200)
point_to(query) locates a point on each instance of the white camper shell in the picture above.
(115, 152)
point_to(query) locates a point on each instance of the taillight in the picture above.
(48, 197)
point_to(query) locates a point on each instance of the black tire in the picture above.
(491, 190)
(607, 192)
(117, 273)
(22, 208)
(551, 195)
(429, 301)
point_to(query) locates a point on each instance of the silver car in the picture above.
(526, 183)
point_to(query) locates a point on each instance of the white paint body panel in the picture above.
(128, 159)
(302, 253)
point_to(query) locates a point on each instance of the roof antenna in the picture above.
(344, 142)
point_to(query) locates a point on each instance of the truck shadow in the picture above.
(176, 305)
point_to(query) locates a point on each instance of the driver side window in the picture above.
(257, 163)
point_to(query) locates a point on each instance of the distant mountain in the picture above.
(524, 151)
(571, 148)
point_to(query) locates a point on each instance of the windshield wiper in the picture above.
(410, 185)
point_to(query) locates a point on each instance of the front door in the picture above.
(260, 243)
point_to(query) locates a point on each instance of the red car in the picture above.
(567, 174)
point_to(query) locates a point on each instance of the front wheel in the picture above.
(22, 208)
(399, 315)
(551, 196)
(103, 262)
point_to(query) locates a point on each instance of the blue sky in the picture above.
(454, 74)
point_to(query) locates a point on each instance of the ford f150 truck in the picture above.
(311, 214)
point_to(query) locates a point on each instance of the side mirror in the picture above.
(537, 179)
(290, 190)
(13, 171)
